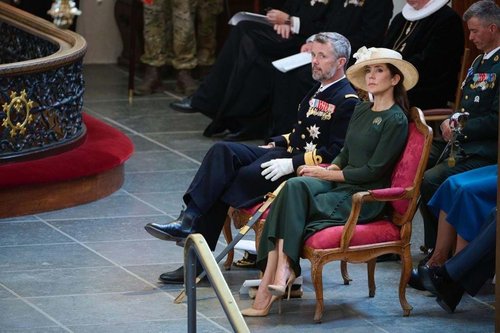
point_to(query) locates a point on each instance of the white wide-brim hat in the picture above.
(379, 55)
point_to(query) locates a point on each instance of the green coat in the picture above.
(480, 99)
(373, 144)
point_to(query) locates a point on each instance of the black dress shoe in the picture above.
(239, 136)
(177, 276)
(178, 230)
(184, 105)
(415, 281)
(448, 292)
(215, 130)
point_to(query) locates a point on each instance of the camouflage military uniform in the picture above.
(157, 34)
(192, 48)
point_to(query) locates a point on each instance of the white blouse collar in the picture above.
(430, 8)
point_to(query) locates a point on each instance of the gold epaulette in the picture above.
(310, 158)
(351, 96)
(287, 138)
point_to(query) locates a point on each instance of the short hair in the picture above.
(486, 11)
(340, 45)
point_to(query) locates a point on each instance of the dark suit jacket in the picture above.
(434, 45)
(364, 23)
(330, 116)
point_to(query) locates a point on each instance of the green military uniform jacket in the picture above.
(480, 100)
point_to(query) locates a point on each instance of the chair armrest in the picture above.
(437, 114)
(384, 194)
(390, 194)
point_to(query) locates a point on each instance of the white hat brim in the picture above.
(356, 73)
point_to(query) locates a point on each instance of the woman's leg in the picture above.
(445, 241)
(283, 270)
(461, 244)
(263, 296)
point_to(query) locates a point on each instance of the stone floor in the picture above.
(93, 268)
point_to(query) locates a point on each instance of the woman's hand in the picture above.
(283, 30)
(315, 171)
(277, 17)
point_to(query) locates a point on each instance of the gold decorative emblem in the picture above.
(17, 113)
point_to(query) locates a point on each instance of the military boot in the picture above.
(185, 83)
(151, 82)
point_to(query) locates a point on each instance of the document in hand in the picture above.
(292, 62)
(247, 16)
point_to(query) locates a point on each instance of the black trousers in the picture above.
(230, 175)
(241, 80)
(475, 264)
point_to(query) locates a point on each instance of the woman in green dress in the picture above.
(321, 197)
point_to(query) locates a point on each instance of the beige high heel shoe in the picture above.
(279, 290)
(251, 312)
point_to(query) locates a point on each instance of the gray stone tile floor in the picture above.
(93, 268)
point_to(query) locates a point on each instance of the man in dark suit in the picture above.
(239, 87)
(239, 175)
(467, 271)
(364, 23)
(429, 34)
(479, 138)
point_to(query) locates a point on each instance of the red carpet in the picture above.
(104, 148)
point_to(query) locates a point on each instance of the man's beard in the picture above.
(322, 76)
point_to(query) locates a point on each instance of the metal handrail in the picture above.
(196, 246)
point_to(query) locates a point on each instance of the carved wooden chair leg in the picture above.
(344, 272)
(317, 280)
(228, 236)
(371, 277)
(406, 265)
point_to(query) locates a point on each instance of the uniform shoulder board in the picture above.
(351, 96)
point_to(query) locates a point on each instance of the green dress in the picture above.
(373, 144)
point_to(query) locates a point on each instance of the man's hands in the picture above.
(281, 22)
(277, 168)
(277, 17)
(270, 145)
(446, 131)
(307, 47)
(283, 30)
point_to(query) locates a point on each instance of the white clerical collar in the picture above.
(430, 8)
(323, 87)
(489, 54)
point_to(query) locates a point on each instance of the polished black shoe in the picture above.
(239, 136)
(214, 130)
(178, 230)
(449, 293)
(184, 105)
(415, 281)
(177, 276)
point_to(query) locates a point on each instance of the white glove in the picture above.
(277, 168)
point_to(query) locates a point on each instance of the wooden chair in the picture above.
(364, 243)
(240, 217)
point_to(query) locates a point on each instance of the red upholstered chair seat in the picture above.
(371, 233)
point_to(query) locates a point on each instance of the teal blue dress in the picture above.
(373, 144)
